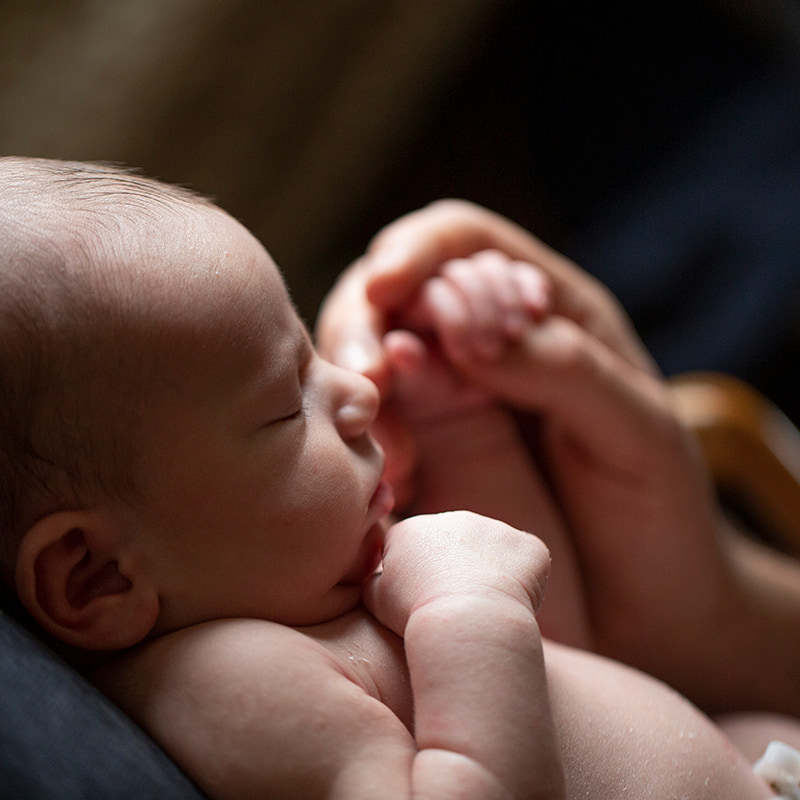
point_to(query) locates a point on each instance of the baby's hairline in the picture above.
(70, 201)
(74, 174)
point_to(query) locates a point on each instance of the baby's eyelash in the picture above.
(298, 413)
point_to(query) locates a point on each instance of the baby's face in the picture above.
(263, 488)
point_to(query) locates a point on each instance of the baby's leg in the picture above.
(752, 732)
(624, 734)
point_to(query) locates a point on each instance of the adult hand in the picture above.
(631, 483)
(359, 309)
(362, 305)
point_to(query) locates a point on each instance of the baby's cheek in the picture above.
(330, 482)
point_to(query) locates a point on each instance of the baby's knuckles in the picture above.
(456, 554)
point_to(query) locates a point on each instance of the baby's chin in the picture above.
(343, 598)
(347, 595)
(368, 559)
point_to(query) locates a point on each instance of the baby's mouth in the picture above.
(371, 551)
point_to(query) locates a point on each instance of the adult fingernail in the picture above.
(354, 356)
(389, 258)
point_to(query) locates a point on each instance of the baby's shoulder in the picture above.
(217, 652)
(211, 658)
(242, 702)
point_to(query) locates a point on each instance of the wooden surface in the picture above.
(752, 448)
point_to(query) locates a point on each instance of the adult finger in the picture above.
(618, 413)
(408, 250)
(349, 329)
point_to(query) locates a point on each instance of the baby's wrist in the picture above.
(484, 612)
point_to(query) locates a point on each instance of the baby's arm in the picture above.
(253, 709)
(463, 590)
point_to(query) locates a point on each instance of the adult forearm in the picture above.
(746, 657)
(768, 648)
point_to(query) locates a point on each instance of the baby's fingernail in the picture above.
(539, 297)
(514, 323)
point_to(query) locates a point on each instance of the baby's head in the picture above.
(70, 386)
(172, 448)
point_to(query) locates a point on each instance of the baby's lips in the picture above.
(382, 501)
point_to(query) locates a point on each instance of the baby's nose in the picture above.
(358, 405)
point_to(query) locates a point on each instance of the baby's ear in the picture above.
(70, 580)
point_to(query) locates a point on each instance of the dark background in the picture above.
(656, 143)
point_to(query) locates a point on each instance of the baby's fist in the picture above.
(455, 554)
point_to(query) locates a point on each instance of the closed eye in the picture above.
(295, 410)
(294, 415)
(296, 378)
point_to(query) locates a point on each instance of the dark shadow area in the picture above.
(657, 144)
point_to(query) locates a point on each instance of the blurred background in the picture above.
(656, 143)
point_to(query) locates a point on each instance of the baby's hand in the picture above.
(455, 555)
(471, 309)
(474, 306)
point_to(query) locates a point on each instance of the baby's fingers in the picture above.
(534, 289)
(442, 310)
(477, 305)
(455, 554)
(424, 389)
(502, 296)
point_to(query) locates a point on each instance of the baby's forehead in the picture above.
(110, 245)
(186, 250)
(206, 273)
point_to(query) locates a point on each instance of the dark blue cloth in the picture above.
(61, 739)
(704, 249)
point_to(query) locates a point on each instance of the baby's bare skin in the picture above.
(621, 732)
(261, 509)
